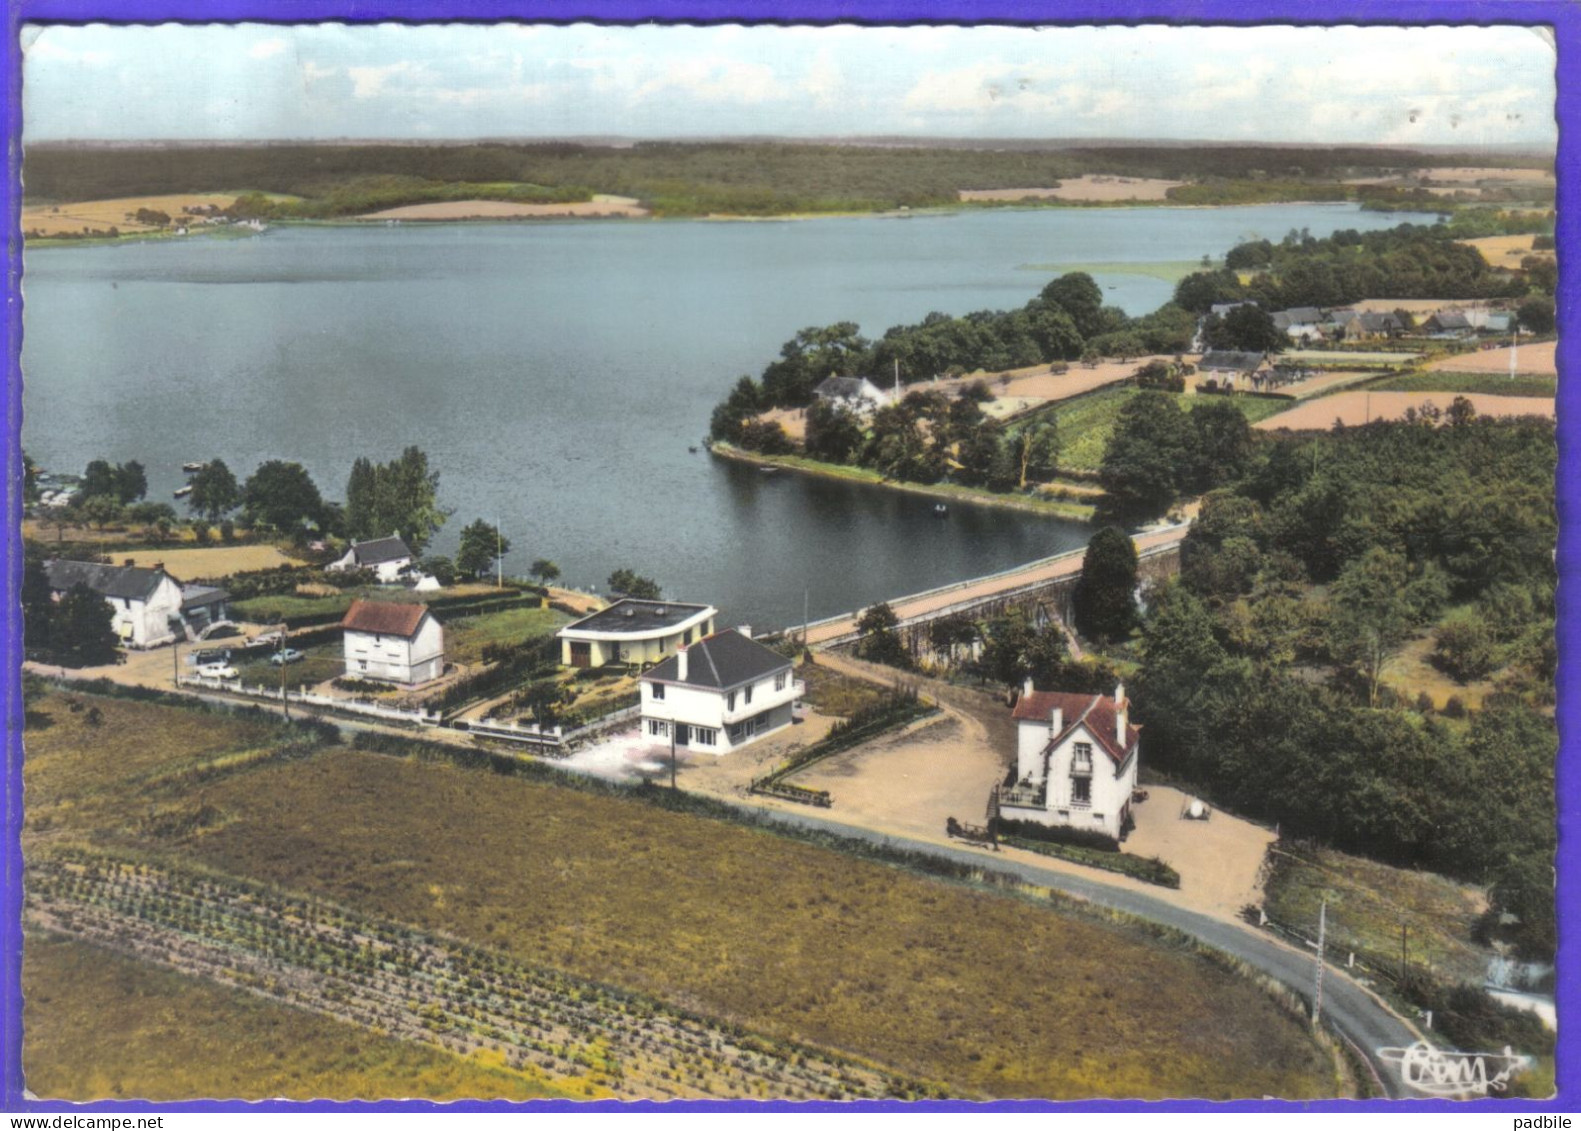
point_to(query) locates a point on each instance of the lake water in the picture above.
(556, 375)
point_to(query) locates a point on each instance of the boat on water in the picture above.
(183, 492)
(189, 468)
(767, 468)
(940, 510)
(693, 450)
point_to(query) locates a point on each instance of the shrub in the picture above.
(1056, 834)
(1464, 648)
(228, 531)
(1454, 708)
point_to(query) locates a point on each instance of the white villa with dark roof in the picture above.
(719, 694)
(1076, 761)
(858, 394)
(633, 632)
(146, 602)
(386, 557)
(393, 642)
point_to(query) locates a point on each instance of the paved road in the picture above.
(1048, 569)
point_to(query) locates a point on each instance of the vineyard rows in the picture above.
(421, 987)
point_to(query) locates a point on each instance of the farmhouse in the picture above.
(1076, 761)
(386, 557)
(204, 606)
(1369, 324)
(718, 694)
(1228, 365)
(633, 632)
(393, 642)
(146, 601)
(855, 393)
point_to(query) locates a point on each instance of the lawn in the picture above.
(466, 637)
(101, 1025)
(1087, 422)
(831, 693)
(1411, 671)
(320, 662)
(933, 980)
(1496, 384)
(1368, 902)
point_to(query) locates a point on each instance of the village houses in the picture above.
(149, 607)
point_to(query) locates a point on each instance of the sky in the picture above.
(1463, 86)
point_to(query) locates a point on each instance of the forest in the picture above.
(693, 178)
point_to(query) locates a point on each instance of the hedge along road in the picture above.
(1359, 1017)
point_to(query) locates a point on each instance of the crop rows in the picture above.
(422, 987)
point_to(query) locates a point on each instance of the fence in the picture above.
(308, 699)
(550, 739)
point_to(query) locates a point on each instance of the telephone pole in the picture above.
(1317, 990)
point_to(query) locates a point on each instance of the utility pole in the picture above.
(285, 704)
(1403, 930)
(499, 555)
(672, 755)
(1515, 337)
(1317, 991)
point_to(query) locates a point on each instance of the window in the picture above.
(657, 689)
(704, 736)
(1081, 791)
(658, 728)
(779, 682)
(730, 701)
(749, 693)
(686, 637)
(1082, 762)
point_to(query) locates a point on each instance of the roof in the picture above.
(1238, 360)
(1096, 712)
(379, 551)
(193, 596)
(845, 388)
(725, 659)
(1222, 308)
(127, 582)
(632, 615)
(1451, 320)
(384, 618)
(1378, 320)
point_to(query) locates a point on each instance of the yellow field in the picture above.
(1502, 251)
(600, 205)
(211, 561)
(53, 219)
(1538, 358)
(1090, 187)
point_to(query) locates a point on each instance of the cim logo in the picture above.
(1441, 1072)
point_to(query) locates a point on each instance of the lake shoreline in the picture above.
(1051, 508)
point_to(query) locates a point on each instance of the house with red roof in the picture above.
(393, 642)
(1076, 761)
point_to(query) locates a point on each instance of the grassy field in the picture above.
(1500, 385)
(466, 638)
(1368, 902)
(100, 1025)
(831, 693)
(272, 608)
(933, 980)
(1087, 422)
(323, 661)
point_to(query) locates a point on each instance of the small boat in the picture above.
(189, 468)
(767, 468)
(940, 510)
(693, 450)
(183, 492)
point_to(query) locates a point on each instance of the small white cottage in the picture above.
(1076, 761)
(386, 557)
(393, 642)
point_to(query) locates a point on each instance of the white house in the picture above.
(386, 557)
(633, 632)
(393, 642)
(718, 694)
(146, 602)
(857, 394)
(1076, 759)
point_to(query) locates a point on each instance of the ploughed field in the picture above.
(577, 939)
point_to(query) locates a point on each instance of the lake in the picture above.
(557, 373)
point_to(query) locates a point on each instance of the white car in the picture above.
(217, 671)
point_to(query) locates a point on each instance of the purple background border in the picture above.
(1563, 17)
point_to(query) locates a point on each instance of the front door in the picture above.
(683, 734)
(581, 654)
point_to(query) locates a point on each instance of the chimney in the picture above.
(1056, 722)
(680, 663)
(745, 630)
(1122, 709)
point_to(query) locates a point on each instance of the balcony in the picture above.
(1024, 795)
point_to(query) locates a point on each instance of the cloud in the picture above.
(714, 80)
(268, 48)
(369, 82)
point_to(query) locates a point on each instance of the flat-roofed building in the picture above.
(632, 631)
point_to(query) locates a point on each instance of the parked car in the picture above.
(286, 656)
(217, 671)
(266, 639)
(208, 656)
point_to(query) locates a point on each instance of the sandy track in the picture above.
(1358, 408)
(1537, 359)
(600, 205)
(1090, 187)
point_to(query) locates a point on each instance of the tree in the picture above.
(1371, 614)
(1221, 441)
(30, 473)
(1465, 648)
(440, 568)
(1104, 600)
(101, 510)
(98, 479)
(1143, 462)
(82, 631)
(400, 497)
(131, 482)
(1246, 327)
(880, 643)
(214, 491)
(833, 433)
(482, 546)
(545, 571)
(1537, 314)
(625, 583)
(281, 495)
(1037, 448)
(1015, 649)
(38, 609)
(1078, 296)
